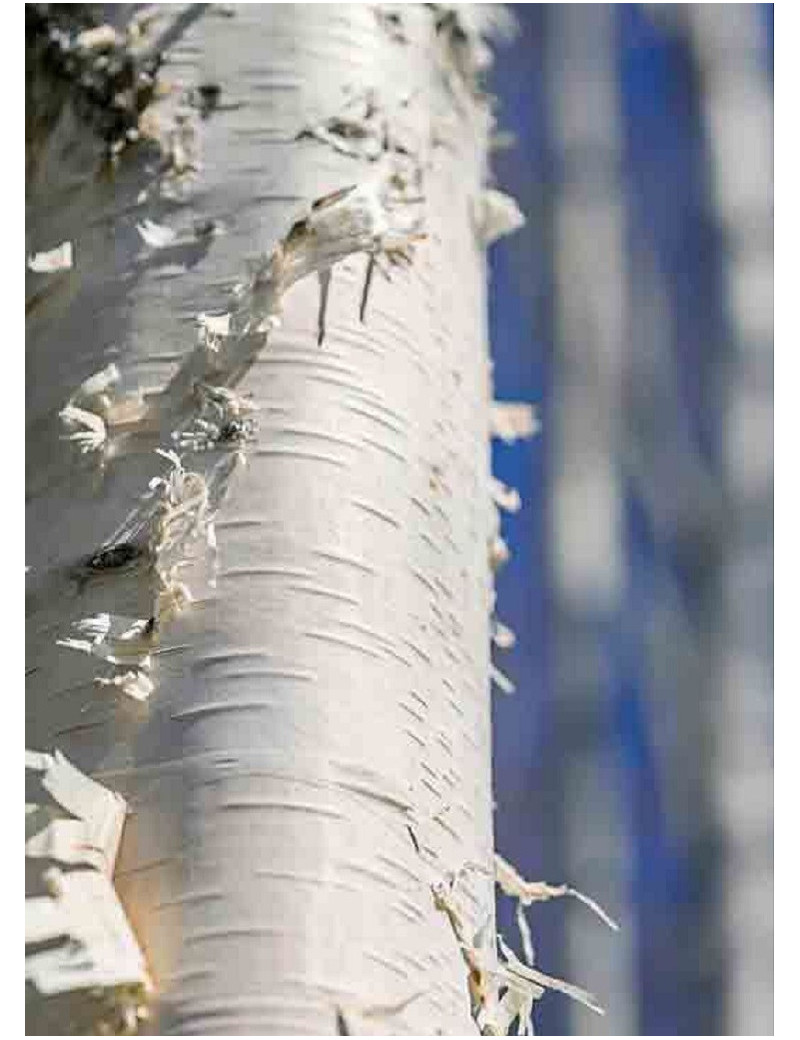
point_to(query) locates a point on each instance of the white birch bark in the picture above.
(331, 689)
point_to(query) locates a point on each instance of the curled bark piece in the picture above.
(77, 937)
(135, 683)
(513, 420)
(516, 1004)
(505, 497)
(479, 979)
(502, 636)
(513, 968)
(157, 236)
(499, 553)
(95, 391)
(525, 934)
(527, 892)
(502, 682)
(62, 840)
(97, 407)
(171, 528)
(181, 509)
(496, 214)
(125, 643)
(118, 640)
(217, 325)
(183, 241)
(78, 940)
(58, 259)
(88, 430)
(93, 830)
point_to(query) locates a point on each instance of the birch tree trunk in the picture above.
(315, 752)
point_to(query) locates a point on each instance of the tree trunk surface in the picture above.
(316, 749)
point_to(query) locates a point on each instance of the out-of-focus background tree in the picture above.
(635, 760)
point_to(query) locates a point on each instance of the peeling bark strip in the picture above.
(82, 963)
(324, 686)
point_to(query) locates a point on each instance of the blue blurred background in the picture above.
(636, 307)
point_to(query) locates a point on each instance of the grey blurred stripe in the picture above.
(585, 535)
(738, 116)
